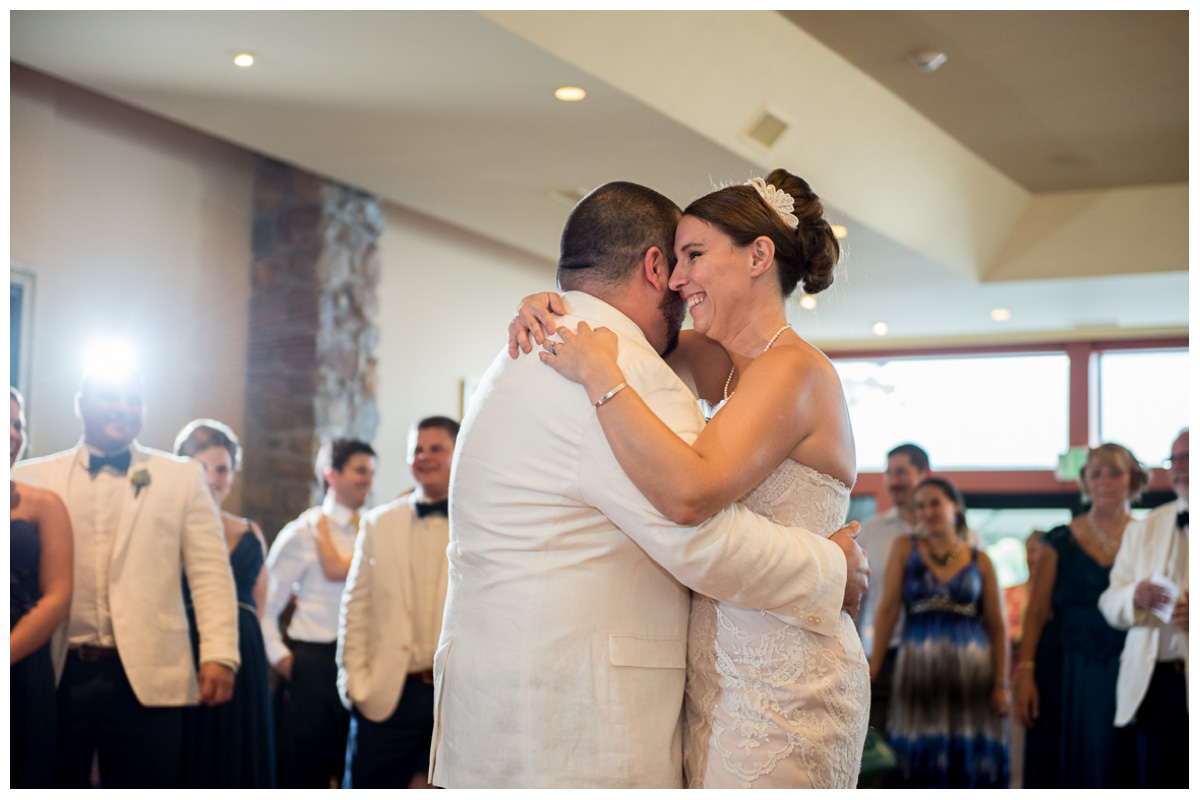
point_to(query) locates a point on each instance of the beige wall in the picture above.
(133, 226)
(445, 299)
(136, 225)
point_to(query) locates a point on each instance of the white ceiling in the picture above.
(452, 114)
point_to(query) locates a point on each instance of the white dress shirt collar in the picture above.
(585, 305)
(85, 451)
(340, 514)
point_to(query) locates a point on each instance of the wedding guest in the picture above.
(316, 724)
(391, 618)
(232, 745)
(1016, 602)
(950, 692)
(1148, 596)
(1066, 678)
(40, 578)
(907, 465)
(141, 520)
(1016, 598)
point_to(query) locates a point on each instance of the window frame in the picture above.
(1083, 422)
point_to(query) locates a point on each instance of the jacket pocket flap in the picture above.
(644, 651)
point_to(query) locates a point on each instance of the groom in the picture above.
(563, 652)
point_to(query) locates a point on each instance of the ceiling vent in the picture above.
(766, 129)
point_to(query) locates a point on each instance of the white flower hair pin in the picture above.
(778, 199)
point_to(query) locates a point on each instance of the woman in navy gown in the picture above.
(947, 720)
(232, 745)
(40, 579)
(1066, 678)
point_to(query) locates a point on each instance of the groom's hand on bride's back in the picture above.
(857, 569)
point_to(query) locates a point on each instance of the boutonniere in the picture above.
(140, 480)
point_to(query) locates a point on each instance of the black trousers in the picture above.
(1160, 730)
(98, 714)
(386, 755)
(314, 726)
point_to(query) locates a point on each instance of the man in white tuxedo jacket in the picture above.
(391, 617)
(141, 520)
(1152, 682)
(563, 650)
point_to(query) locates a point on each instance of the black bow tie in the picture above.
(441, 507)
(1181, 519)
(119, 462)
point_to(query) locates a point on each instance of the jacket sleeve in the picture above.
(354, 616)
(735, 556)
(1116, 603)
(210, 578)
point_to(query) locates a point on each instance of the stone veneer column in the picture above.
(313, 304)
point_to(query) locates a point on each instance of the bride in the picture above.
(768, 705)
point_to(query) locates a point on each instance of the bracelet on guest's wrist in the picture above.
(1025, 665)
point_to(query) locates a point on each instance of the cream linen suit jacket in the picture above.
(170, 527)
(1145, 548)
(375, 627)
(563, 651)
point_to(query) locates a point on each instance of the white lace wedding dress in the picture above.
(771, 705)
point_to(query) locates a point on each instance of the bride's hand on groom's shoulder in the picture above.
(587, 357)
(533, 321)
(857, 569)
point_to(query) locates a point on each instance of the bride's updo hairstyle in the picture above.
(805, 255)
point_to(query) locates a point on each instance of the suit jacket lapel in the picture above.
(132, 499)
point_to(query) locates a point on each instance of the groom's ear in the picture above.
(655, 269)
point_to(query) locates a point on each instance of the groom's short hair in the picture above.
(610, 230)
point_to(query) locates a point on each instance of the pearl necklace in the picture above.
(725, 394)
(1103, 540)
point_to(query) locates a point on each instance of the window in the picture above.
(968, 412)
(1143, 400)
(1003, 531)
(20, 307)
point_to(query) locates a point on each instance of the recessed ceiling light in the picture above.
(1001, 314)
(808, 301)
(243, 59)
(880, 328)
(839, 231)
(570, 93)
(928, 60)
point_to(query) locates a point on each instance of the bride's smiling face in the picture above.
(709, 266)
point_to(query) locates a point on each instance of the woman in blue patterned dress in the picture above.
(1066, 679)
(231, 745)
(950, 691)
